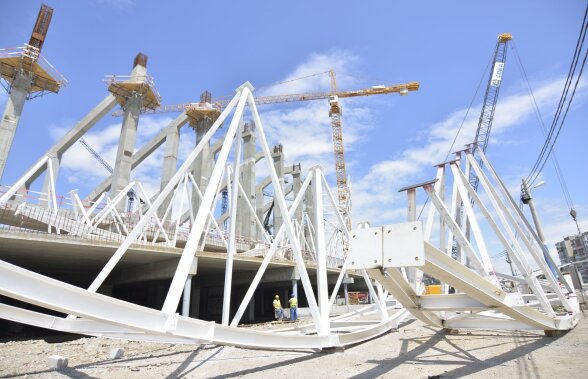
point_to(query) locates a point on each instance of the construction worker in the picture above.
(293, 307)
(278, 312)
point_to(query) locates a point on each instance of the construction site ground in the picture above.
(413, 351)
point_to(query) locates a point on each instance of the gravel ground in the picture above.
(414, 351)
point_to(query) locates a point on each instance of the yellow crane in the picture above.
(209, 108)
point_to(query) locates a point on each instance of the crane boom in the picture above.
(402, 89)
(490, 99)
(131, 194)
(96, 156)
(206, 105)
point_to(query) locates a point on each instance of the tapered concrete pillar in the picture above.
(296, 185)
(170, 162)
(126, 147)
(259, 204)
(187, 294)
(278, 157)
(11, 117)
(246, 221)
(309, 202)
(203, 164)
(131, 94)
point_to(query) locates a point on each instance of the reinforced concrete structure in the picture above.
(211, 249)
(391, 259)
(25, 74)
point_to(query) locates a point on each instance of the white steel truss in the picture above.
(479, 302)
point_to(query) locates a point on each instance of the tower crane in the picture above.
(333, 97)
(487, 114)
(490, 99)
(132, 195)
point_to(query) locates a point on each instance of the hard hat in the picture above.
(277, 296)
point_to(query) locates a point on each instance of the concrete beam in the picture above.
(145, 151)
(81, 128)
(150, 271)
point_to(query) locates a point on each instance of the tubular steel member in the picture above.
(379, 253)
(96, 314)
(479, 300)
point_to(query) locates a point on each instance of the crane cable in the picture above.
(554, 160)
(462, 123)
(552, 135)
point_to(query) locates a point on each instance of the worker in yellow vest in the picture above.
(278, 312)
(293, 307)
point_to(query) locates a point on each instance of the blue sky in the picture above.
(390, 141)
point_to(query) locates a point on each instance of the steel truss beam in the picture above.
(481, 296)
(95, 314)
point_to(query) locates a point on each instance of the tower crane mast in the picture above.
(132, 195)
(490, 100)
(338, 147)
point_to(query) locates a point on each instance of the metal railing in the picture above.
(23, 217)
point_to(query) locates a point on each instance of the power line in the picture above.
(462, 123)
(563, 119)
(554, 161)
(550, 139)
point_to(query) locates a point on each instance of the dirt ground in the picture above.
(413, 351)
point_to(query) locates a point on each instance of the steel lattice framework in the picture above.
(490, 100)
(394, 256)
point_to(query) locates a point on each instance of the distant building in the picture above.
(575, 249)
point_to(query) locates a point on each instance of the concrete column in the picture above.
(411, 274)
(295, 287)
(11, 117)
(195, 305)
(251, 309)
(170, 162)
(278, 157)
(259, 200)
(202, 167)
(188, 288)
(187, 297)
(128, 137)
(296, 185)
(309, 201)
(245, 219)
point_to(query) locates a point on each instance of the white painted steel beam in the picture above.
(450, 271)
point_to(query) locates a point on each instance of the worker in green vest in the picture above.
(293, 307)
(278, 312)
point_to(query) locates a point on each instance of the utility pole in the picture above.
(528, 200)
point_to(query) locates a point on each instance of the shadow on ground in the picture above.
(525, 344)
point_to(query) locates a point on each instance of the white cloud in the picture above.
(377, 189)
(305, 129)
(341, 61)
(81, 168)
